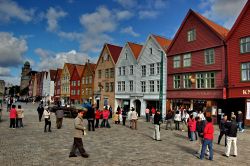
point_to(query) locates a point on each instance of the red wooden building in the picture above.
(75, 84)
(238, 44)
(57, 84)
(196, 64)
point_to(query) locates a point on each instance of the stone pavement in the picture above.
(116, 146)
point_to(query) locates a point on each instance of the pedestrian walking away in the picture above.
(78, 133)
(13, 117)
(91, 118)
(124, 116)
(231, 136)
(40, 111)
(98, 114)
(134, 118)
(20, 115)
(169, 119)
(223, 129)
(59, 117)
(147, 114)
(46, 114)
(240, 121)
(157, 120)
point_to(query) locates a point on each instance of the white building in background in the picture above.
(127, 76)
(48, 85)
(148, 75)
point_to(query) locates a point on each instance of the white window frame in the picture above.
(245, 45)
(152, 69)
(151, 86)
(143, 70)
(143, 86)
(177, 61)
(187, 60)
(191, 35)
(209, 56)
(176, 81)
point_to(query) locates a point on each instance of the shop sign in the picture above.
(246, 91)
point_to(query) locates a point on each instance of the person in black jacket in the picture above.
(231, 136)
(40, 110)
(91, 118)
(223, 129)
(157, 119)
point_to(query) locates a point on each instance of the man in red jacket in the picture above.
(208, 139)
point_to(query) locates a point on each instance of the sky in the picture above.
(48, 33)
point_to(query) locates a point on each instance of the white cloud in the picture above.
(11, 10)
(52, 16)
(127, 3)
(129, 30)
(124, 15)
(4, 71)
(11, 80)
(148, 14)
(12, 50)
(70, 35)
(225, 11)
(50, 60)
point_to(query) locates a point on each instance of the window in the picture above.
(177, 81)
(131, 70)
(210, 79)
(99, 74)
(111, 70)
(187, 60)
(151, 86)
(131, 86)
(78, 83)
(124, 70)
(78, 92)
(111, 87)
(152, 69)
(106, 73)
(83, 80)
(143, 86)
(87, 80)
(119, 86)
(151, 50)
(90, 91)
(123, 86)
(120, 71)
(177, 61)
(158, 68)
(191, 35)
(106, 87)
(245, 71)
(186, 81)
(209, 56)
(158, 86)
(200, 80)
(245, 45)
(90, 79)
(143, 70)
(126, 55)
(72, 83)
(100, 86)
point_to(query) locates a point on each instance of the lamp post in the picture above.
(161, 84)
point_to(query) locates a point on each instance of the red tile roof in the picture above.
(136, 49)
(70, 68)
(80, 69)
(164, 43)
(92, 67)
(114, 51)
(220, 30)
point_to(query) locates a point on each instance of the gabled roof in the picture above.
(70, 67)
(59, 72)
(114, 51)
(92, 67)
(79, 69)
(52, 74)
(163, 42)
(220, 31)
(242, 13)
(136, 49)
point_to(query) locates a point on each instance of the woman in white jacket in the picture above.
(177, 120)
(46, 115)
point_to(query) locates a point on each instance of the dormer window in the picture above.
(126, 55)
(191, 35)
(151, 50)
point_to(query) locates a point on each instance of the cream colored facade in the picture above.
(65, 83)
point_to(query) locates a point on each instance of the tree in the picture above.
(24, 91)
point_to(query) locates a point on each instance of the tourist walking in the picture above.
(124, 116)
(177, 120)
(153, 111)
(110, 111)
(98, 114)
(231, 136)
(240, 121)
(200, 125)
(208, 134)
(192, 127)
(157, 120)
(147, 114)
(13, 116)
(223, 129)
(78, 133)
(169, 119)
(130, 118)
(105, 121)
(134, 118)
(91, 118)
(46, 114)
(19, 119)
(59, 118)
(40, 111)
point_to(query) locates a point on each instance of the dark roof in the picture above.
(136, 49)
(52, 74)
(114, 51)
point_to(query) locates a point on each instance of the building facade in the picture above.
(104, 82)
(238, 46)
(57, 90)
(196, 65)
(25, 75)
(65, 81)
(87, 77)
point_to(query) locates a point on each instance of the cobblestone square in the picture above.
(118, 145)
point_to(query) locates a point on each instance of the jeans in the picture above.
(91, 125)
(209, 143)
(192, 135)
(47, 123)
(221, 135)
(240, 126)
(147, 117)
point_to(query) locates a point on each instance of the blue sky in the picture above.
(49, 33)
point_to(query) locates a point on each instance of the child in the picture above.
(13, 117)
(116, 118)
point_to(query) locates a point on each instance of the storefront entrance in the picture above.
(138, 107)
